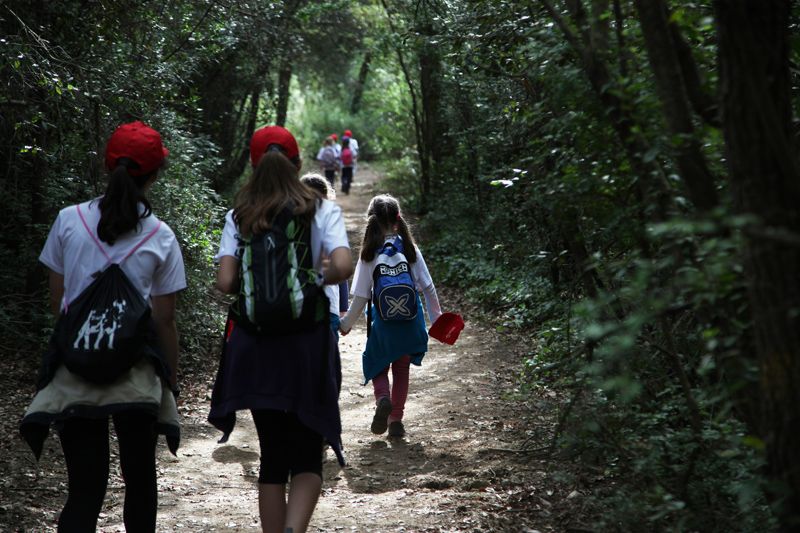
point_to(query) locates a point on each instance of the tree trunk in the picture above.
(240, 153)
(703, 103)
(623, 56)
(600, 25)
(656, 190)
(756, 111)
(284, 83)
(430, 88)
(417, 115)
(358, 90)
(34, 273)
(671, 89)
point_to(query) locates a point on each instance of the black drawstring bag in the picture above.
(101, 334)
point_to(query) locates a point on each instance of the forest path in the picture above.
(435, 479)
(452, 472)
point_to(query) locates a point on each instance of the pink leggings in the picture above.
(399, 392)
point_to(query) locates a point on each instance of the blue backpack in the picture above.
(393, 291)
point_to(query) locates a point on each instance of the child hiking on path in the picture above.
(329, 160)
(390, 271)
(337, 294)
(279, 358)
(115, 270)
(347, 160)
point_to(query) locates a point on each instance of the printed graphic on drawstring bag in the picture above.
(393, 291)
(278, 293)
(101, 334)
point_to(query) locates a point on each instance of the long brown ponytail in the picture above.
(119, 206)
(382, 215)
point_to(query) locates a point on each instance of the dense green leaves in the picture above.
(539, 138)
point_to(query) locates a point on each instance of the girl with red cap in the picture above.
(289, 381)
(88, 241)
(394, 344)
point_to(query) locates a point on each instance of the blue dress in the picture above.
(390, 340)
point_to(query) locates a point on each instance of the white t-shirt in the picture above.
(156, 268)
(332, 292)
(327, 234)
(362, 279)
(354, 146)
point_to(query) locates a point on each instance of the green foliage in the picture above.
(381, 127)
(553, 197)
(78, 73)
(633, 302)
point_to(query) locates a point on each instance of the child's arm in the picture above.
(228, 275)
(355, 311)
(423, 278)
(432, 303)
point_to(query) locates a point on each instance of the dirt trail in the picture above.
(454, 470)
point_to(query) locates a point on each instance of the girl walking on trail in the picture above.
(337, 294)
(286, 375)
(347, 159)
(112, 249)
(329, 160)
(396, 332)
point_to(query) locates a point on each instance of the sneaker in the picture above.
(396, 429)
(382, 412)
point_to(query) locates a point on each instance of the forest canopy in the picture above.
(616, 181)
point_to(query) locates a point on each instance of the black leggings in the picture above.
(330, 175)
(287, 446)
(347, 179)
(86, 450)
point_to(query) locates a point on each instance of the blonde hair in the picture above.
(272, 187)
(319, 184)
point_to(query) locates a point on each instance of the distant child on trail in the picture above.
(348, 161)
(329, 160)
(281, 243)
(390, 271)
(353, 143)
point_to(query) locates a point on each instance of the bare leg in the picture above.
(303, 494)
(272, 507)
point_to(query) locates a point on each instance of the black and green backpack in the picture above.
(278, 291)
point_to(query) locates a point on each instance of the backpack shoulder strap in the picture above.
(91, 234)
(146, 238)
(100, 246)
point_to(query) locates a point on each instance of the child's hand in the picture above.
(343, 332)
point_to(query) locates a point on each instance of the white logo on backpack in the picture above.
(96, 325)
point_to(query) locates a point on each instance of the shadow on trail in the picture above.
(249, 460)
(395, 464)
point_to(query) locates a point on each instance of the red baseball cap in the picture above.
(334, 136)
(447, 328)
(269, 135)
(139, 142)
(348, 133)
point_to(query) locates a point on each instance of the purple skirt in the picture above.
(296, 373)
